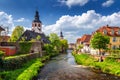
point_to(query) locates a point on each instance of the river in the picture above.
(64, 67)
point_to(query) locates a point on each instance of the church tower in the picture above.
(61, 35)
(37, 24)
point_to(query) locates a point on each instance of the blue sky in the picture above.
(74, 17)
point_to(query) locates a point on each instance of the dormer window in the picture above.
(112, 31)
(104, 31)
(119, 32)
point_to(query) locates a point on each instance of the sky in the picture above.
(74, 17)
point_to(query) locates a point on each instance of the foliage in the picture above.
(109, 65)
(13, 74)
(64, 44)
(55, 41)
(1, 59)
(99, 41)
(48, 48)
(17, 32)
(31, 71)
(38, 37)
(1, 54)
(15, 62)
(25, 47)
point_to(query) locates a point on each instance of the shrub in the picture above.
(31, 72)
(13, 74)
(15, 62)
(25, 47)
(1, 59)
(1, 54)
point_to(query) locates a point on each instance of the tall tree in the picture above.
(17, 32)
(55, 41)
(64, 45)
(100, 42)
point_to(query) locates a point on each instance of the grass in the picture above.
(109, 65)
(12, 75)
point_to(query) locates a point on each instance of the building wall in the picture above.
(115, 42)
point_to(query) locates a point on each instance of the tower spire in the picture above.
(37, 24)
(61, 35)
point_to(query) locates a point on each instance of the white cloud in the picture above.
(108, 3)
(70, 3)
(6, 21)
(21, 20)
(75, 26)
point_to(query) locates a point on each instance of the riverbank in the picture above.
(109, 65)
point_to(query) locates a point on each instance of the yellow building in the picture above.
(114, 33)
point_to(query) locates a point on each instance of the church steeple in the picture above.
(61, 35)
(37, 24)
(37, 17)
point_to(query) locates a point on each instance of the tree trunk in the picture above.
(100, 56)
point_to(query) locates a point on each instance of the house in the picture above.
(1, 29)
(71, 46)
(85, 41)
(114, 33)
(9, 50)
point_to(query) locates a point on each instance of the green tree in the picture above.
(17, 32)
(55, 41)
(64, 45)
(99, 42)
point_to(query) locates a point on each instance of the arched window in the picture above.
(39, 25)
(35, 25)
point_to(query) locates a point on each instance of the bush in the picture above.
(15, 62)
(109, 65)
(1, 54)
(25, 47)
(13, 74)
(1, 59)
(31, 72)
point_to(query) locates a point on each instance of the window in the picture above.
(104, 31)
(114, 39)
(118, 32)
(35, 25)
(39, 25)
(113, 47)
(112, 32)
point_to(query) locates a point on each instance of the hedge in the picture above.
(16, 62)
(31, 71)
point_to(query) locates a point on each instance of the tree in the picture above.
(55, 41)
(17, 32)
(100, 42)
(64, 45)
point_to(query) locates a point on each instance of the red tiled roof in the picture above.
(78, 40)
(86, 38)
(109, 30)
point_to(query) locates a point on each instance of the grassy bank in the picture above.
(29, 70)
(109, 65)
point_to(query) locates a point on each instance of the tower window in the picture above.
(39, 25)
(35, 25)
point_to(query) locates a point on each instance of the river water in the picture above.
(64, 67)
